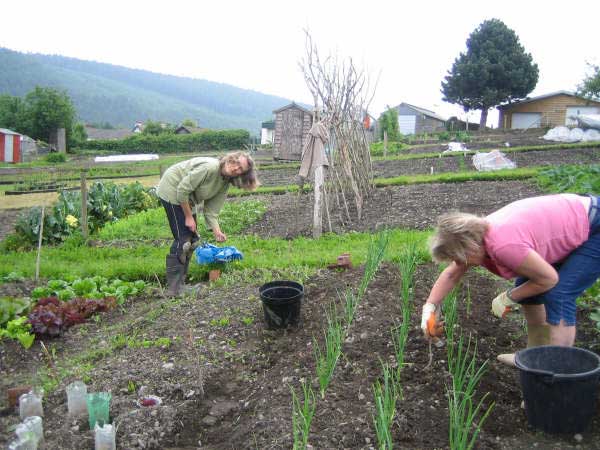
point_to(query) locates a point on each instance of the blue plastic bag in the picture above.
(208, 254)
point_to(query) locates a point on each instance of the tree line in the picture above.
(41, 112)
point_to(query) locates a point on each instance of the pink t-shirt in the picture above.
(552, 225)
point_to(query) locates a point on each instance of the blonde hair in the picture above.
(456, 236)
(249, 179)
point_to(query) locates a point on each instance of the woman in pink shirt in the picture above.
(550, 244)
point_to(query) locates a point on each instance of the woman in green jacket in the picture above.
(201, 182)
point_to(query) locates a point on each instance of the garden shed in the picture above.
(10, 146)
(292, 124)
(266, 132)
(550, 110)
(414, 120)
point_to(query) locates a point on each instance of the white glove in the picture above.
(502, 305)
(430, 321)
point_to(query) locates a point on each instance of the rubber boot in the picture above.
(175, 276)
(536, 335)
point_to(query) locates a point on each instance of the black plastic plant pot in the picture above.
(560, 386)
(281, 302)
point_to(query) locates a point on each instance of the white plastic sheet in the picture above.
(589, 121)
(125, 158)
(494, 160)
(456, 147)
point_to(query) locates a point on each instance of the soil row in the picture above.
(455, 163)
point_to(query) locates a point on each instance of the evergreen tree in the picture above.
(388, 121)
(495, 69)
(590, 86)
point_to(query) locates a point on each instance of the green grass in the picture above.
(152, 224)
(459, 177)
(261, 257)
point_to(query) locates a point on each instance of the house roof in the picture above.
(101, 133)
(423, 111)
(7, 131)
(292, 105)
(189, 129)
(541, 97)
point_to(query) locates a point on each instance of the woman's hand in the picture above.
(431, 323)
(220, 236)
(190, 223)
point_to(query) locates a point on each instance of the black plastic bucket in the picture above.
(560, 386)
(281, 302)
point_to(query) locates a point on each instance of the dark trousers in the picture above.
(181, 233)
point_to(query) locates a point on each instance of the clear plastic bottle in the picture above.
(76, 395)
(34, 425)
(25, 442)
(105, 438)
(30, 404)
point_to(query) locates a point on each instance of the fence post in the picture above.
(39, 249)
(84, 195)
(385, 143)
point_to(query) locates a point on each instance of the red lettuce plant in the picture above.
(50, 316)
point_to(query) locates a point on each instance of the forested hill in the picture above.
(121, 96)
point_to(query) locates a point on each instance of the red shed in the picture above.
(10, 146)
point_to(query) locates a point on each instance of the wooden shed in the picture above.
(415, 120)
(10, 146)
(550, 110)
(292, 124)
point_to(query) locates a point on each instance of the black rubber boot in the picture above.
(175, 276)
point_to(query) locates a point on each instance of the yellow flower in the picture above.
(72, 221)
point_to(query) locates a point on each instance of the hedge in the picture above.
(174, 143)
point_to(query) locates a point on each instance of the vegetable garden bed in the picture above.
(226, 382)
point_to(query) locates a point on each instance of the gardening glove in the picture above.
(503, 304)
(431, 324)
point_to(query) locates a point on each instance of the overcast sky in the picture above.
(257, 44)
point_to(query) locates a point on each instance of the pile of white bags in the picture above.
(564, 134)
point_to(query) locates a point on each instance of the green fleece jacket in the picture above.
(199, 182)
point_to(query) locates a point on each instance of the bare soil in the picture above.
(247, 371)
(456, 162)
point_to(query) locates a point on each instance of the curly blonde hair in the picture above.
(249, 179)
(456, 236)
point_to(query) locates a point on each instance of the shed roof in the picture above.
(542, 97)
(423, 111)
(7, 131)
(292, 105)
(103, 133)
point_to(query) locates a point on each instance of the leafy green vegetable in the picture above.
(10, 308)
(18, 329)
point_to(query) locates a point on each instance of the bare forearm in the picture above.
(187, 210)
(530, 289)
(447, 280)
(541, 277)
